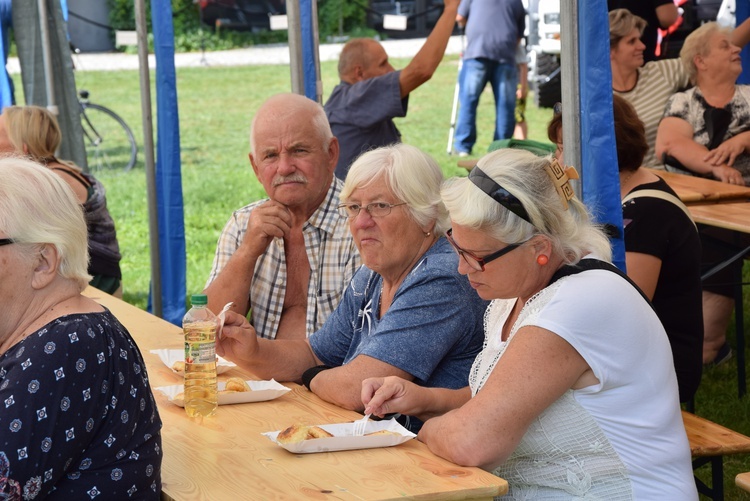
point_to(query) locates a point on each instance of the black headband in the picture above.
(498, 193)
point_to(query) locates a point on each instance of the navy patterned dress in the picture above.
(77, 416)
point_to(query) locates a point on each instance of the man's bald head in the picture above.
(362, 58)
(283, 108)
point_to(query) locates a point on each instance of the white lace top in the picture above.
(571, 451)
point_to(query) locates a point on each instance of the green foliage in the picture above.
(337, 17)
(122, 14)
(334, 18)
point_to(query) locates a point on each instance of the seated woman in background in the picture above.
(33, 131)
(663, 249)
(571, 397)
(648, 86)
(78, 418)
(407, 311)
(706, 130)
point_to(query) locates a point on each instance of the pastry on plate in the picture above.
(300, 432)
(179, 366)
(382, 432)
(236, 384)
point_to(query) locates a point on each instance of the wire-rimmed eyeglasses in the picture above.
(375, 209)
(6, 241)
(476, 262)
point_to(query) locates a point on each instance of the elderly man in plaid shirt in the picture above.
(287, 259)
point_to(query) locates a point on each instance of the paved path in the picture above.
(277, 54)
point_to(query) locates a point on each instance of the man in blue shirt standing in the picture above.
(493, 30)
(361, 108)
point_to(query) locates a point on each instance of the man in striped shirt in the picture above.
(287, 259)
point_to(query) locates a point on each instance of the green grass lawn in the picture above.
(216, 106)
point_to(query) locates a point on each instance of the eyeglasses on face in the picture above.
(375, 209)
(6, 241)
(476, 262)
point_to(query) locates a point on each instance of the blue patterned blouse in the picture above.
(77, 416)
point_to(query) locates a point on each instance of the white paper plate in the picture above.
(169, 357)
(343, 440)
(260, 392)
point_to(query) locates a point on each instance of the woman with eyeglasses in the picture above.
(706, 132)
(407, 312)
(78, 417)
(570, 397)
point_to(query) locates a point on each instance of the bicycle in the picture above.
(110, 144)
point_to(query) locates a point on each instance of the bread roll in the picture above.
(382, 432)
(300, 432)
(317, 432)
(236, 384)
(179, 366)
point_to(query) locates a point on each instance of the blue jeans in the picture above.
(475, 74)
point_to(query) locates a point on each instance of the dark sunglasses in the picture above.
(6, 241)
(498, 193)
(476, 262)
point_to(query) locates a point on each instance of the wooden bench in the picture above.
(709, 443)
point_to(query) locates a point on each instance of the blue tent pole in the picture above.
(741, 13)
(310, 56)
(168, 168)
(304, 59)
(599, 172)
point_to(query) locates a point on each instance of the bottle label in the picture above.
(200, 352)
(200, 343)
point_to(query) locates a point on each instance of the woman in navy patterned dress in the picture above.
(77, 417)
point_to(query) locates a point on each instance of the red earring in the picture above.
(542, 259)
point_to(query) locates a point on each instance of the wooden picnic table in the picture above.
(225, 457)
(698, 190)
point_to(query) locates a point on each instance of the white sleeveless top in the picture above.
(592, 443)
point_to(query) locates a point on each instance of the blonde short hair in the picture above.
(412, 176)
(523, 174)
(696, 44)
(37, 207)
(621, 23)
(34, 127)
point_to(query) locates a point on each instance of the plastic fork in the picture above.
(360, 425)
(221, 316)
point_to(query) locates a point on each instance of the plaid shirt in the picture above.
(330, 250)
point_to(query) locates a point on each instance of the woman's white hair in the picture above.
(37, 207)
(412, 176)
(523, 174)
(696, 44)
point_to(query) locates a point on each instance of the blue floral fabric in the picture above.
(77, 416)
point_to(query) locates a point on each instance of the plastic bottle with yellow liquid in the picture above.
(199, 326)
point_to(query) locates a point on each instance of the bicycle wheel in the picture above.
(110, 144)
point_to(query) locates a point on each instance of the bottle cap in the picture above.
(199, 300)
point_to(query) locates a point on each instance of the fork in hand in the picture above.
(360, 425)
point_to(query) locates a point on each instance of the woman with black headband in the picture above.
(570, 397)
